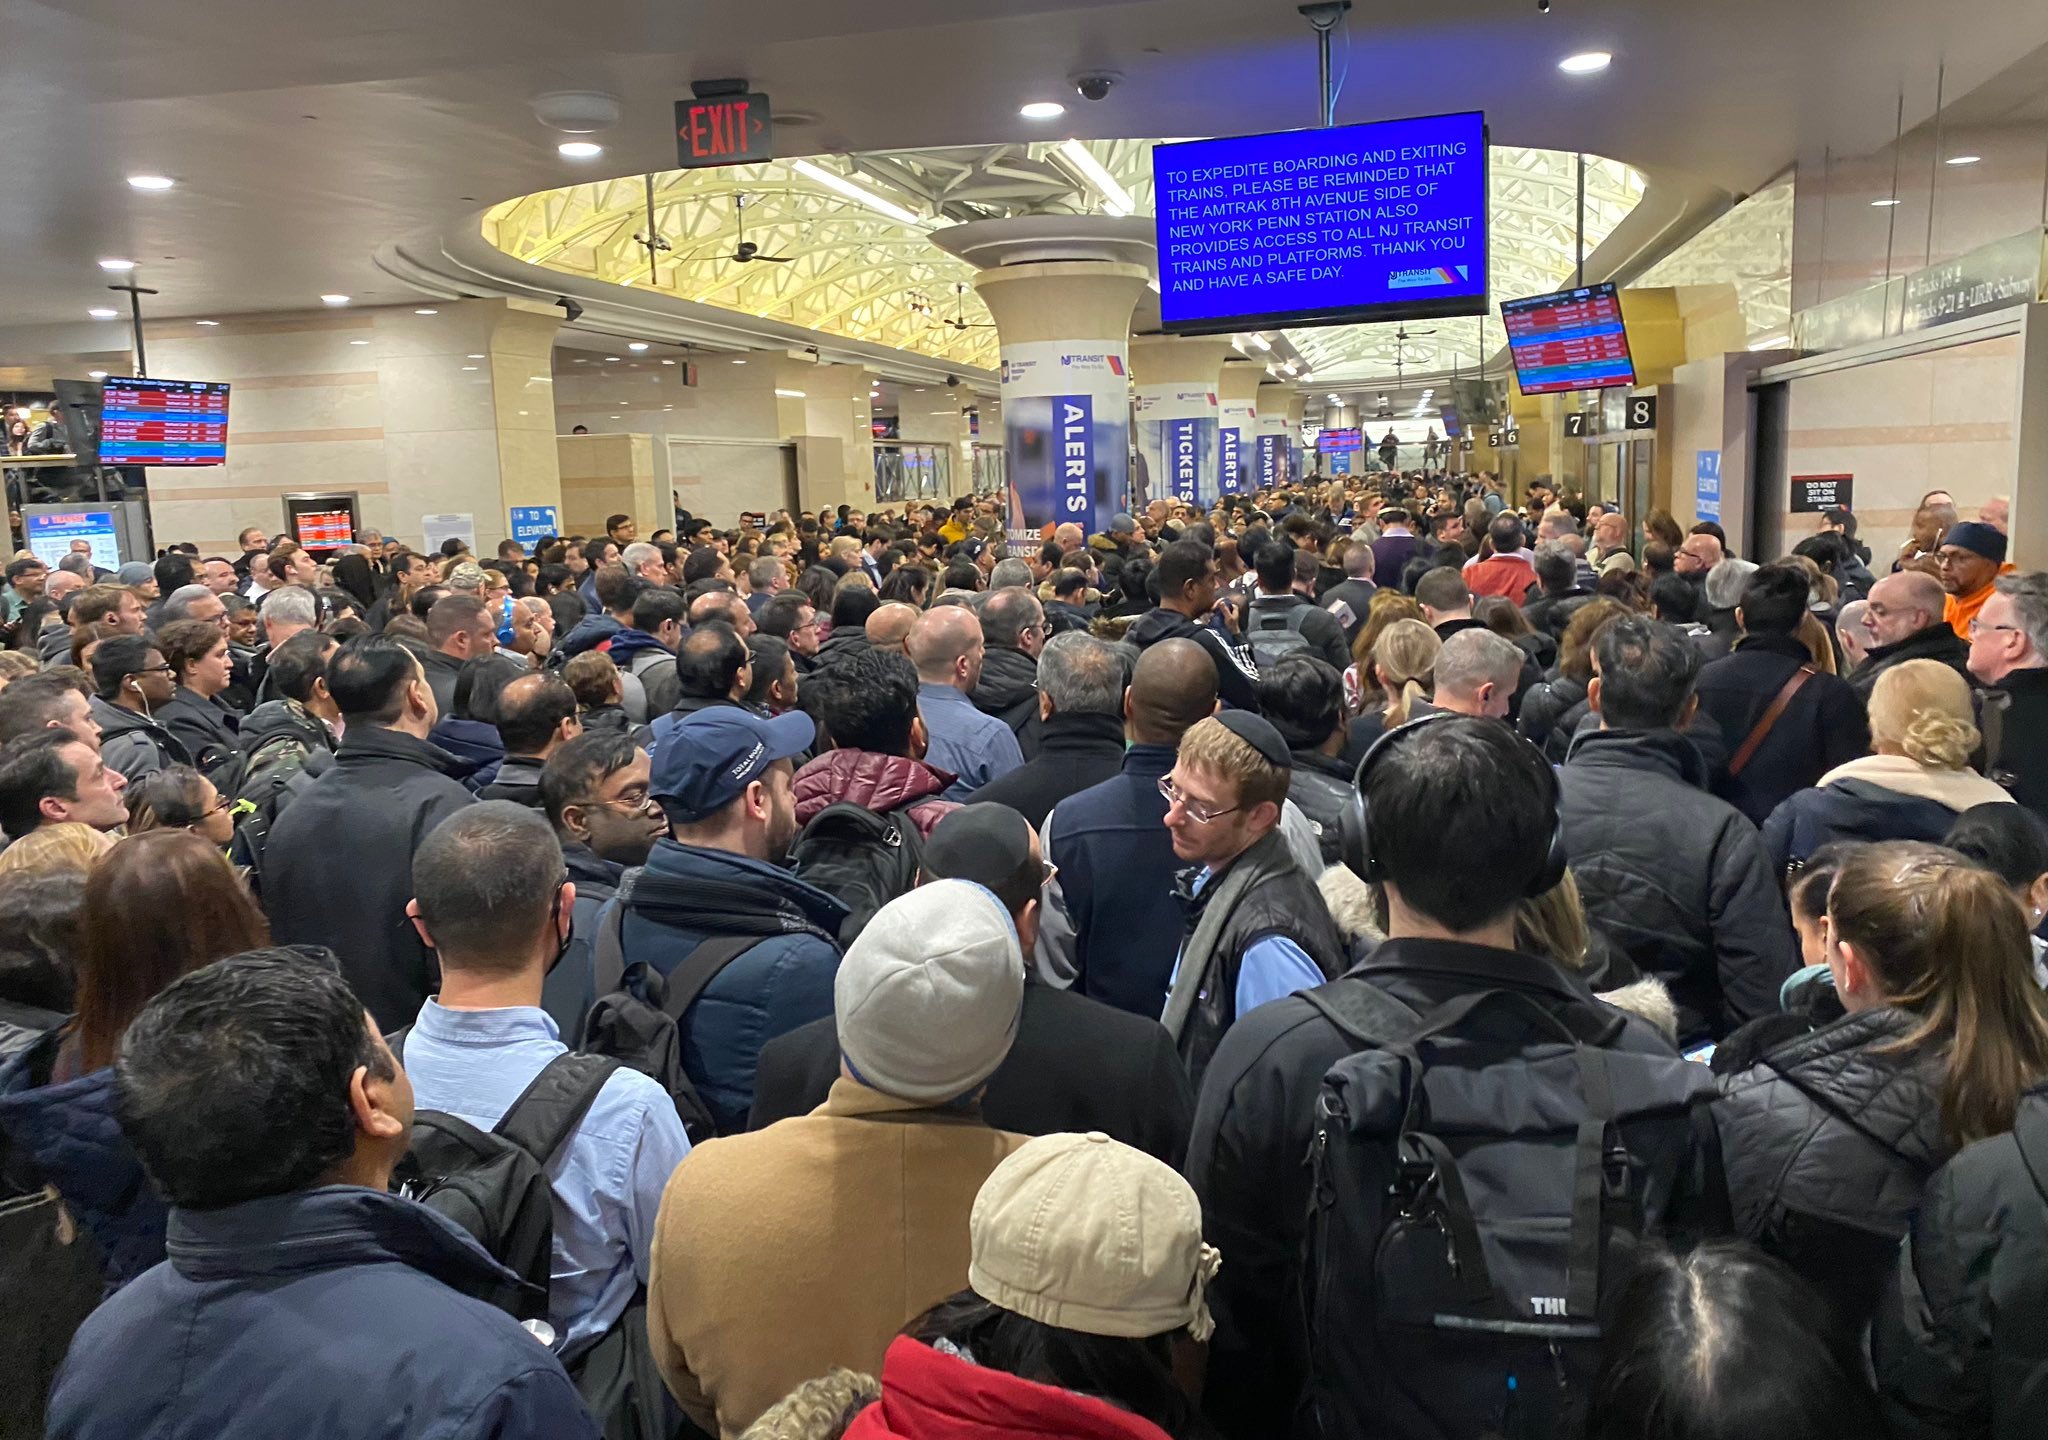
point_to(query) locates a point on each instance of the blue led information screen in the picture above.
(1323, 227)
(163, 422)
(1573, 340)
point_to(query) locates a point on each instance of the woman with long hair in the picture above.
(1404, 673)
(1912, 788)
(1551, 711)
(1361, 688)
(158, 907)
(1828, 1143)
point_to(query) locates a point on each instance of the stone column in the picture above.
(1178, 416)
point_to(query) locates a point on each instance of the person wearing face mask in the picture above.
(197, 652)
(132, 682)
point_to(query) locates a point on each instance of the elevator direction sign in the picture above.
(724, 130)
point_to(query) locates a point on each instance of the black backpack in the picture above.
(1274, 635)
(863, 858)
(639, 1011)
(275, 773)
(1474, 1198)
(494, 1183)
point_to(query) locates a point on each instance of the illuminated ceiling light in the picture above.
(618, 417)
(100, 312)
(1964, 159)
(792, 394)
(1043, 110)
(1262, 342)
(1115, 199)
(96, 374)
(117, 267)
(668, 362)
(860, 194)
(636, 345)
(150, 182)
(358, 342)
(206, 322)
(473, 357)
(334, 299)
(428, 311)
(1586, 62)
(1335, 401)
(739, 362)
(579, 150)
(1883, 204)
(469, 367)
(611, 359)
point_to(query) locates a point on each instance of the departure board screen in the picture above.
(1573, 340)
(1385, 221)
(163, 422)
(1340, 442)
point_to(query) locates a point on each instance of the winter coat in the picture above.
(781, 982)
(338, 868)
(1350, 603)
(841, 645)
(1508, 575)
(1323, 632)
(1827, 1145)
(517, 780)
(928, 1394)
(209, 730)
(1551, 613)
(1937, 642)
(1551, 709)
(134, 744)
(880, 782)
(1824, 726)
(809, 1245)
(2022, 760)
(67, 1134)
(477, 750)
(1237, 674)
(1675, 877)
(442, 672)
(1062, 616)
(1075, 1065)
(1074, 752)
(278, 717)
(1961, 1341)
(1879, 797)
(1009, 691)
(1321, 785)
(220, 1340)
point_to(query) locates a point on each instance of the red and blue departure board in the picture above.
(1573, 340)
(163, 422)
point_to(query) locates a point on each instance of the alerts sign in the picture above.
(724, 130)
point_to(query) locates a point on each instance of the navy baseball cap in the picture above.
(710, 758)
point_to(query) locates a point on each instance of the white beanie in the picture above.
(929, 996)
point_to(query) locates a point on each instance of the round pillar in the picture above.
(1177, 417)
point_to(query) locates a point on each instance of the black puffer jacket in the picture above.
(1827, 1145)
(1961, 1341)
(1550, 613)
(1675, 877)
(1321, 786)
(1009, 691)
(1552, 708)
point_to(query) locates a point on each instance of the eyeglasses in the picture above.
(629, 802)
(164, 669)
(219, 807)
(1978, 627)
(1200, 814)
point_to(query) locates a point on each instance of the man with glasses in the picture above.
(131, 682)
(791, 618)
(1902, 620)
(2009, 654)
(1698, 553)
(1970, 557)
(1256, 927)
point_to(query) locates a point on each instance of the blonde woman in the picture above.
(70, 846)
(1912, 788)
(1404, 674)
(1362, 691)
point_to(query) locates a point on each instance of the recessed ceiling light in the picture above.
(96, 374)
(334, 299)
(358, 342)
(100, 312)
(206, 322)
(579, 150)
(791, 394)
(151, 182)
(1043, 110)
(117, 267)
(1587, 62)
(473, 357)
(636, 345)
(615, 417)
(668, 362)
(426, 312)
(581, 360)
(611, 358)
(1964, 159)
(1882, 204)
(739, 362)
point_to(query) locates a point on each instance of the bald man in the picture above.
(947, 648)
(1109, 925)
(890, 624)
(1902, 620)
(1069, 537)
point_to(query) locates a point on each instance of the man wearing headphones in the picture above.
(1459, 826)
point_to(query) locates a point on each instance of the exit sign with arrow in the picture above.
(731, 129)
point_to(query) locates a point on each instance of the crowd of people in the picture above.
(1368, 958)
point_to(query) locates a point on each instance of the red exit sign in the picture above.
(724, 130)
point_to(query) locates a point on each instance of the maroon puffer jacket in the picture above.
(880, 782)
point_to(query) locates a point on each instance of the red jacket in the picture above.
(1508, 575)
(880, 782)
(927, 1395)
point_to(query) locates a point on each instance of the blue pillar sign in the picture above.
(1707, 486)
(1272, 460)
(1231, 484)
(535, 522)
(1066, 435)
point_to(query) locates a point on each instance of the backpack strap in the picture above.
(1364, 1013)
(1769, 721)
(548, 1111)
(700, 967)
(609, 947)
(395, 1042)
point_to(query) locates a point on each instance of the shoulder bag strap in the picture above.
(689, 979)
(609, 948)
(548, 1111)
(1771, 717)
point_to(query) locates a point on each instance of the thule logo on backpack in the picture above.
(1547, 1305)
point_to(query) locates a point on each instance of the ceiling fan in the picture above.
(746, 252)
(1401, 339)
(960, 320)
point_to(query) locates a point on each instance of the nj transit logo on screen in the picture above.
(1430, 278)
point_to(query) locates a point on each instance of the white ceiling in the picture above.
(304, 136)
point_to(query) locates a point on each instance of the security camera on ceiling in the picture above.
(1096, 84)
(952, 382)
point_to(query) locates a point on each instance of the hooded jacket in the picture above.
(1877, 797)
(517, 780)
(1827, 1145)
(928, 1394)
(476, 749)
(1676, 878)
(338, 867)
(879, 782)
(133, 743)
(215, 1342)
(1237, 674)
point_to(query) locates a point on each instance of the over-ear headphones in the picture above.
(505, 612)
(1354, 838)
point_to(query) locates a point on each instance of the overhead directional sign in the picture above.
(724, 130)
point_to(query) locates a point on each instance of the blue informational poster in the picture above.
(1707, 488)
(50, 536)
(1066, 424)
(1359, 222)
(535, 522)
(1272, 460)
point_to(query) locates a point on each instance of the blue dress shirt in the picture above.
(1274, 967)
(607, 1179)
(964, 742)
